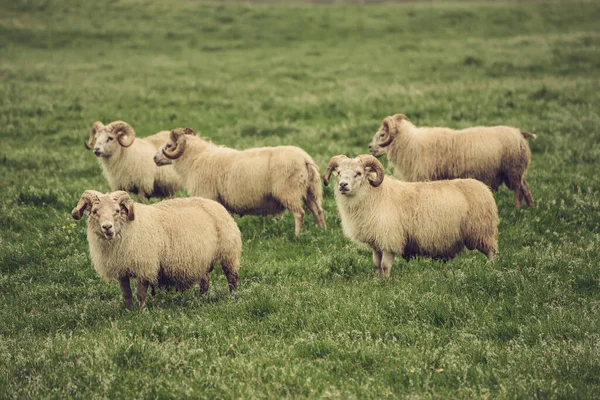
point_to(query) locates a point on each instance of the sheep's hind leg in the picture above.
(526, 192)
(142, 289)
(126, 292)
(205, 283)
(514, 183)
(489, 249)
(386, 263)
(377, 261)
(316, 210)
(230, 271)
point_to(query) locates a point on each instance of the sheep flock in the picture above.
(441, 202)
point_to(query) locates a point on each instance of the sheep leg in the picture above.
(126, 292)
(142, 289)
(204, 283)
(377, 261)
(526, 192)
(514, 184)
(489, 249)
(317, 211)
(230, 271)
(295, 207)
(386, 263)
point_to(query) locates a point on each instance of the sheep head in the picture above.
(352, 173)
(108, 213)
(174, 147)
(107, 139)
(386, 134)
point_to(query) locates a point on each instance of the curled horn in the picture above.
(125, 202)
(95, 128)
(124, 131)
(388, 125)
(176, 135)
(372, 164)
(87, 198)
(333, 164)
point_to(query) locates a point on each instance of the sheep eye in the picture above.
(117, 212)
(94, 212)
(109, 139)
(381, 134)
(357, 174)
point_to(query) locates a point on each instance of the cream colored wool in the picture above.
(432, 219)
(259, 181)
(127, 162)
(171, 243)
(492, 155)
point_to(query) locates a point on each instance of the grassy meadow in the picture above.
(310, 319)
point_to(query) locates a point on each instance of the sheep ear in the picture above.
(125, 202)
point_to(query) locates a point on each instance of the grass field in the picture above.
(311, 319)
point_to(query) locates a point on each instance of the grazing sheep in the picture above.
(127, 162)
(492, 155)
(259, 181)
(433, 219)
(171, 243)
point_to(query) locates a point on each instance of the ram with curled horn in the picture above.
(257, 181)
(429, 219)
(174, 242)
(494, 155)
(127, 161)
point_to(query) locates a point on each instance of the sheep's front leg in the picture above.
(126, 292)
(377, 261)
(386, 263)
(142, 289)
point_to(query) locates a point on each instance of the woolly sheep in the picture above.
(433, 219)
(127, 162)
(259, 181)
(171, 243)
(492, 155)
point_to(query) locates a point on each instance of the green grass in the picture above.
(310, 319)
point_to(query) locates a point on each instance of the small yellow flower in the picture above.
(69, 231)
(72, 225)
(64, 227)
(412, 370)
(440, 370)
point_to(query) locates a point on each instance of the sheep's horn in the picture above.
(95, 128)
(124, 201)
(87, 198)
(374, 165)
(124, 131)
(333, 164)
(180, 143)
(388, 125)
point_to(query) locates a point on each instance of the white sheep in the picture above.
(127, 162)
(432, 219)
(492, 155)
(171, 243)
(259, 181)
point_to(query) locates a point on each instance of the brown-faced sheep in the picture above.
(432, 219)
(259, 181)
(171, 243)
(492, 155)
(127, 162)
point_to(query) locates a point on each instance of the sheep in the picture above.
(432, 219)
(171, 243)
(259, 181)
(492, 155)
(127, 162)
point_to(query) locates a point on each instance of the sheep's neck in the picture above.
(404, 152)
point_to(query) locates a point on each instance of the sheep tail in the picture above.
(528, 135)
(314, 181)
